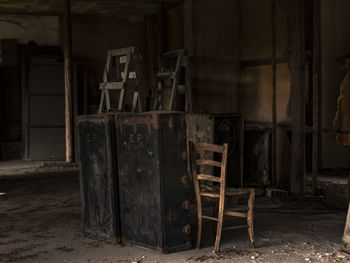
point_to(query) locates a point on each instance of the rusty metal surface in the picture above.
(153, 192)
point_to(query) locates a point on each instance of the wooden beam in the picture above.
(297, 68)
(316, 92)
(68, 81)
(274, 98)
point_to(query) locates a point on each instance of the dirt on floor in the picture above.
(40, 221)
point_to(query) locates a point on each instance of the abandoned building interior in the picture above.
(174, 130)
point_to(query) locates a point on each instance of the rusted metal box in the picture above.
(153, 180)
(98, 176)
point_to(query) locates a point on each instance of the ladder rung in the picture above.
(122, 51)
(234, 227)
(111, 85)
(207, 177)
(210, 195)
(210, 218)
(165, 75)
(208, 162)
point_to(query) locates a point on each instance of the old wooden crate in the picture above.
(153, 180)
(98, 176)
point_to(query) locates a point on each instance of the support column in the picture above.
(274, 95)
(68, 83)
(297, 68)
(316, 96)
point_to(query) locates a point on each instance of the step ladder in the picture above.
(176, 71)
(127, 64)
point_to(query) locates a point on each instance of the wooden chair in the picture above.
(220, 193)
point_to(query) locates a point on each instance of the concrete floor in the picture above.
(40, 221)
(21, 169)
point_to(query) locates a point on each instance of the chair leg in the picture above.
(199, 231)
(250, 217)
(218, 234)
(214, 223)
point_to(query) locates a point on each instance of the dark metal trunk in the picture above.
(98, 176)
(153, 180)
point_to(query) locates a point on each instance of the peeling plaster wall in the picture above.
(41, 29)
(335, 33)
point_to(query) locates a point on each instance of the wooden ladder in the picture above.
(132, 59)
(173, 64)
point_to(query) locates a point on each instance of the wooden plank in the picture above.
(122, 51)
(316, 92)
(297, 69)
(112, 85)
(208, 147)
(68, 81)
(208, 162)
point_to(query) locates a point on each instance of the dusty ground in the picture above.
(40, 221)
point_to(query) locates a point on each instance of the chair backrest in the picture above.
(195, 163)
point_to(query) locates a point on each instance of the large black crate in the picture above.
(153, 180)
(98, 176)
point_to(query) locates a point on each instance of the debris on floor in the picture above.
(41, 222)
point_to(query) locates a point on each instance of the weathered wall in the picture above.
(255, 93)
(41, 29)
(15, 30)
(255, 85)
(335, 33)
(216, 54)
